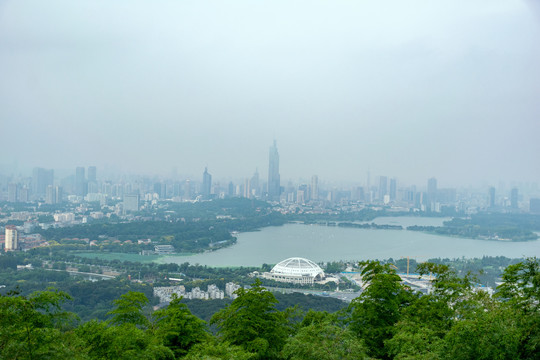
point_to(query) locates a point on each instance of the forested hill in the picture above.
(387, 321)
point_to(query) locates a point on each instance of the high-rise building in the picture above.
(131, 203)
(383, 187)
(314, 188)
(534, 205)
(80, 182)
(274, 185)
(59, 195)
(50, 196)
(514, 198)
(254, 184)
(12, 238)
(24, 194)
(92, 174)
(491, 201)
(41, 178)
(393, 189)
(206, 184)
(187, 190)
(13, 192)
(432, 190)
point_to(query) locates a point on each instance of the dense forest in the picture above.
(387, 321)
(514, 227)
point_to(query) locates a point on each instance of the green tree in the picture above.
(214, 350)
(129, 310)
(324, 340)
(178, 328)
(252, 321)
(35, 327)
(122, 342)
(375, 312)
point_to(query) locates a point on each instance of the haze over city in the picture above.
(408, 89)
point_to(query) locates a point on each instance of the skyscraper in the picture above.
(12, 238)
(80, 182)
(254, 183)
(92, 174)
(41, 178)
(514, 198)
(13, 192)
(314, 188)
(50, 196)
(206, 184)
(383, 187)
(491, 202)
(393, 189)
(432, 190)
(274, 186)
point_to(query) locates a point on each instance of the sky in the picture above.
(411, 89)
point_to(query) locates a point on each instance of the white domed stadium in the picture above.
(296, 270)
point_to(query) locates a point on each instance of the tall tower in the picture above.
(206, 184)
(383, 187)
(80, 182)
(274, 186)
(491, 197)
(514, 198)
(314, 188)
(12, 238)
(432, 190)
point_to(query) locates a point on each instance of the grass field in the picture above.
(118, 256)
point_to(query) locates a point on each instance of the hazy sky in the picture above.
(411, 89)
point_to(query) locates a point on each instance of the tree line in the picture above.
(387, 321)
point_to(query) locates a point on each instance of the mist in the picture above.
(409, 89)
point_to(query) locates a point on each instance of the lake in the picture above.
(331, 243)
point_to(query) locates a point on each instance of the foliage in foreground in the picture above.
(388, 321)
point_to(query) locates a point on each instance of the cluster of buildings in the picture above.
(133, 194)
(164, 293)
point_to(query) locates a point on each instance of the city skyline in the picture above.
(446, 90)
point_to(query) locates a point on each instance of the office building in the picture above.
(393, 189)
(514, 198)
(431, 190)
(59, 195)
(131, 203)
(383, 187)
(12, 238)
(314, 188)
(491, 199)
(274, 185)
(13, 192)
(80, 182)
(534, 205)
(41, 178)
(206, 184)
(92, 174)
(50, 196)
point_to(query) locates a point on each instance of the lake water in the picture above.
(322, 243)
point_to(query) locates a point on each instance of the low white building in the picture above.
(296, 270)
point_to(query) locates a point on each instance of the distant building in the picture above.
(206, 184)
(13, 192)
(393, 189)
(131, 203)
(81, 188)
(491, 200)
(92, 174)
(432, 190)
(274, 183)
(314, 188)
(383, 187)
(12, 238)
(50, 196)
(41, 178)
(296, 270)
(534, 205)
(164, 249)
(514, 198)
